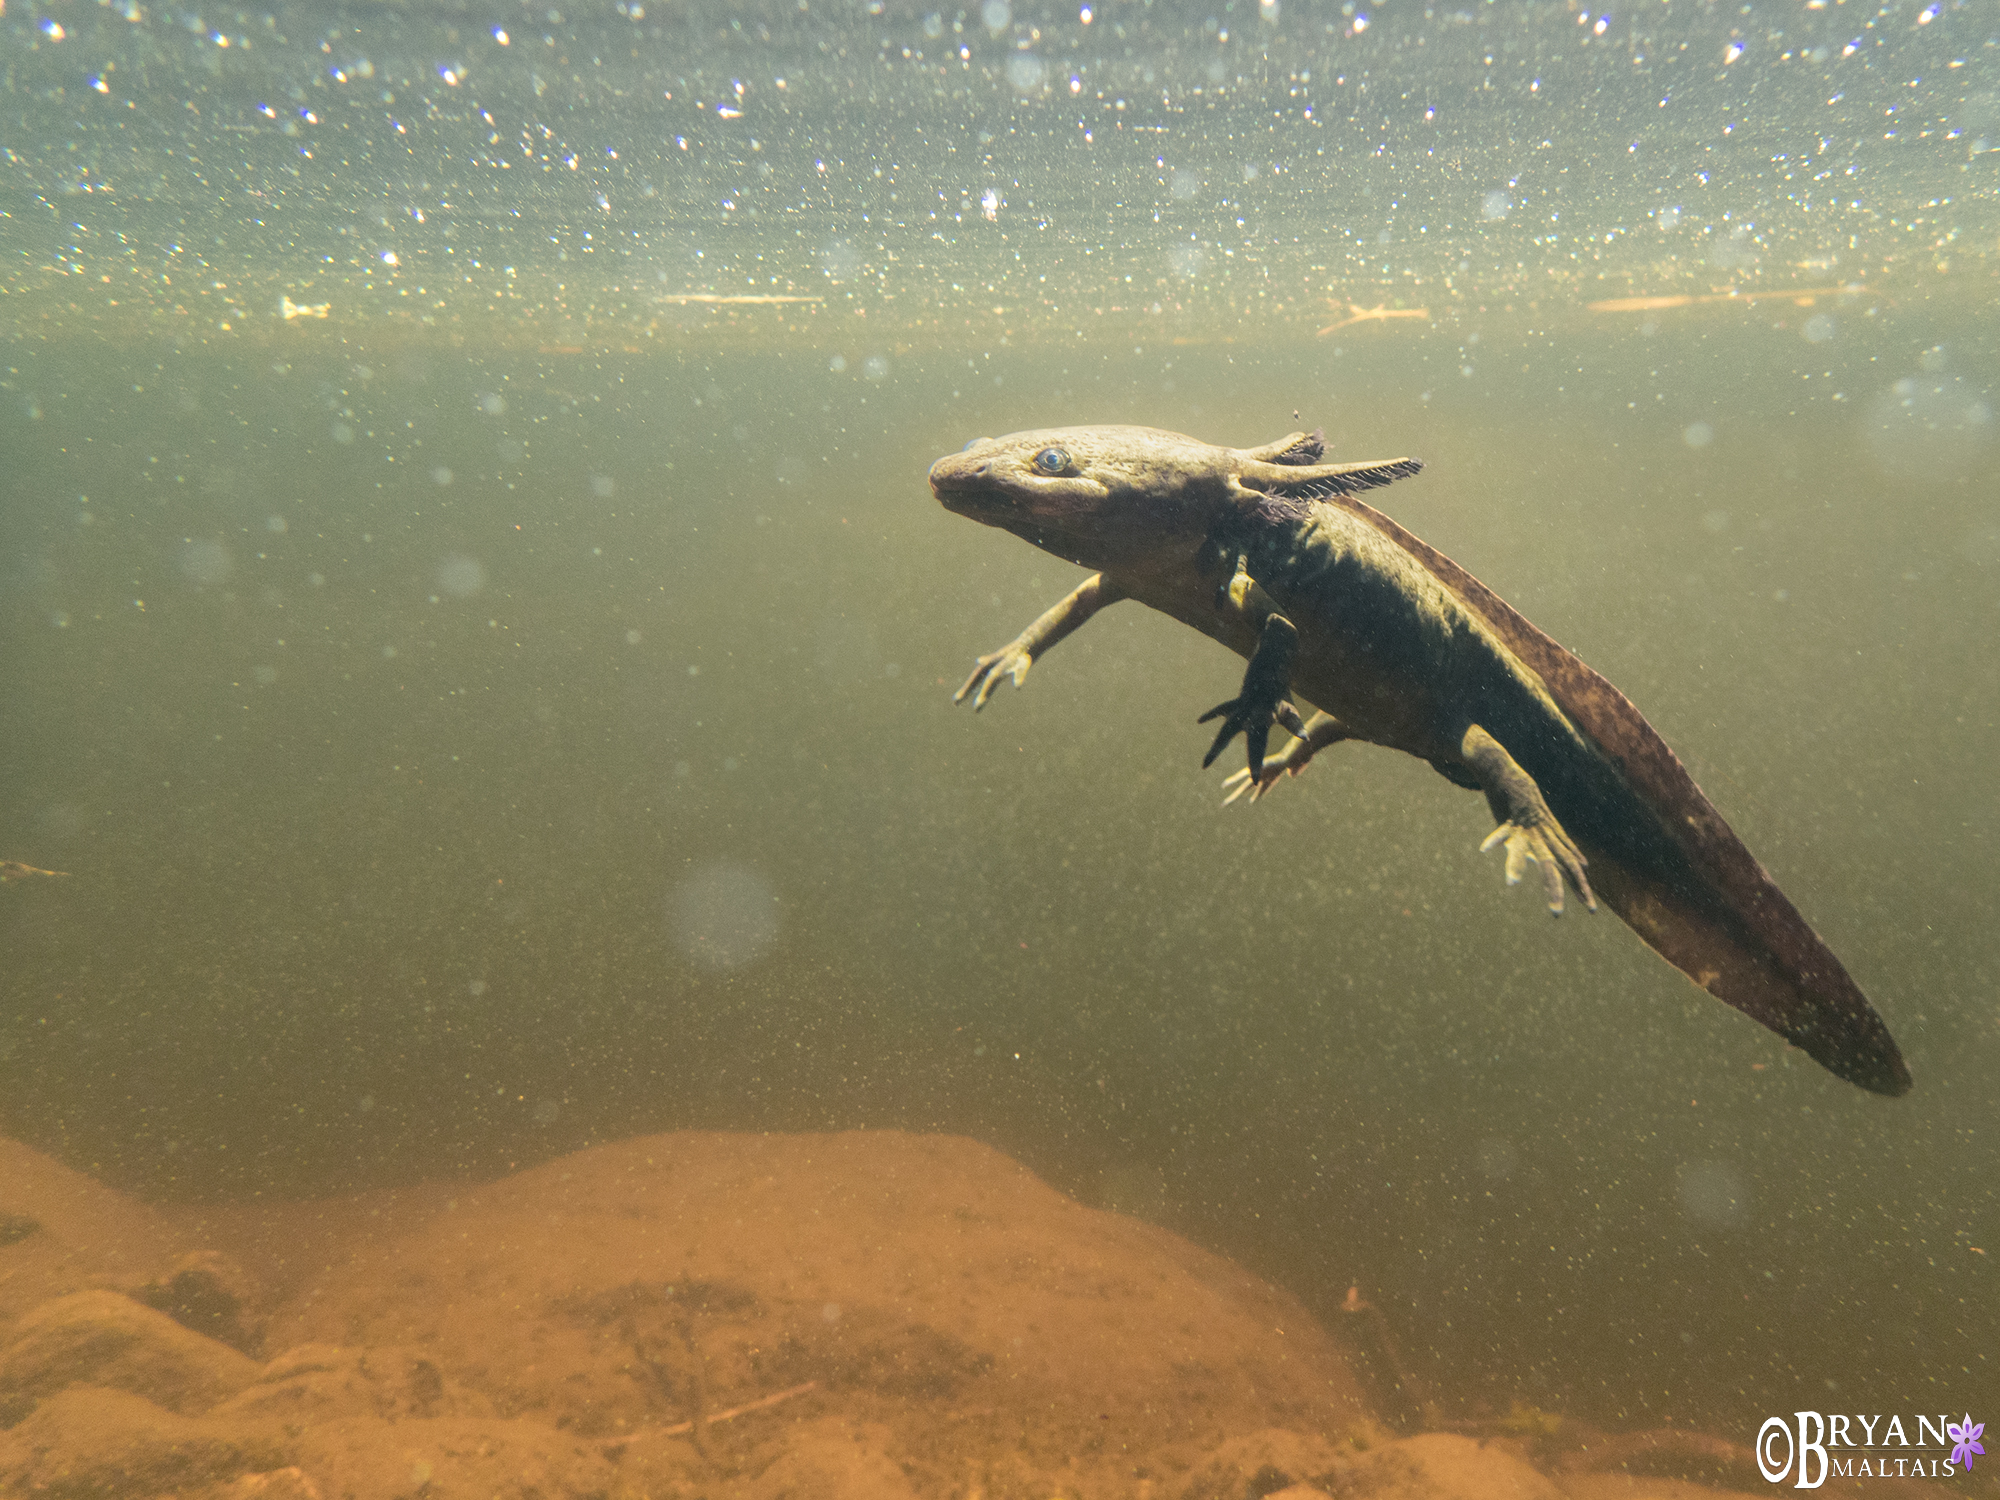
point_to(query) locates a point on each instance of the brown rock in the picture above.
(323, 1382)
(771, 1316)
(626, 1286)
(66, 1232)
(371, 1459)
(1433, 1466)
(1644, 1487)
(104, 1339)
(832, 1459)
(1445, 1466)
(290, 1483)
(93, 1444)
(1266, 1462)
(208, 1292)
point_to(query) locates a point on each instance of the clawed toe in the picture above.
(1549, 847)
(1009, 661)
(1236, 783)
(1239, 716)
(1252, 719)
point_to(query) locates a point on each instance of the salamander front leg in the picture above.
(1527, 828)
(1059, 620)
(1266, 681)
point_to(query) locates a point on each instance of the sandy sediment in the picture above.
(861, 1314)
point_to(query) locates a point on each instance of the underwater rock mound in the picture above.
(863, 1314)
(100, 1338)
(924, 1283)
(61, 1231)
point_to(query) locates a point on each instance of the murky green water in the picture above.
(486, 667)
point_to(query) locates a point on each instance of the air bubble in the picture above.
(461, 576)
(724, 916)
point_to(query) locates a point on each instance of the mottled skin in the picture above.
(1266, 550)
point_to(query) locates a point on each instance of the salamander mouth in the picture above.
(962, 483)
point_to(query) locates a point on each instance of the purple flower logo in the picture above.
(1966, 1435)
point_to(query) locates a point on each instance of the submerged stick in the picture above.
(722, 1416)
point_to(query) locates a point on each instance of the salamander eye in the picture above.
(1052, 460)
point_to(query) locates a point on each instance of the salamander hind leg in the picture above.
(1321, 730)
(1528, 830)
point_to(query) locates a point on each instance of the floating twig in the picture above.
(1382, 314)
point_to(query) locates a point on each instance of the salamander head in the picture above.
(1099, 496)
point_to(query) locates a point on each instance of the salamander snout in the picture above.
(960, 473)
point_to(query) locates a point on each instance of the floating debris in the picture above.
(1804, 296)
(13, 869)
(1359, 314)
(288, 309)
(756, 298)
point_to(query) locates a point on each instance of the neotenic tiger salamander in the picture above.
(1269, 551)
